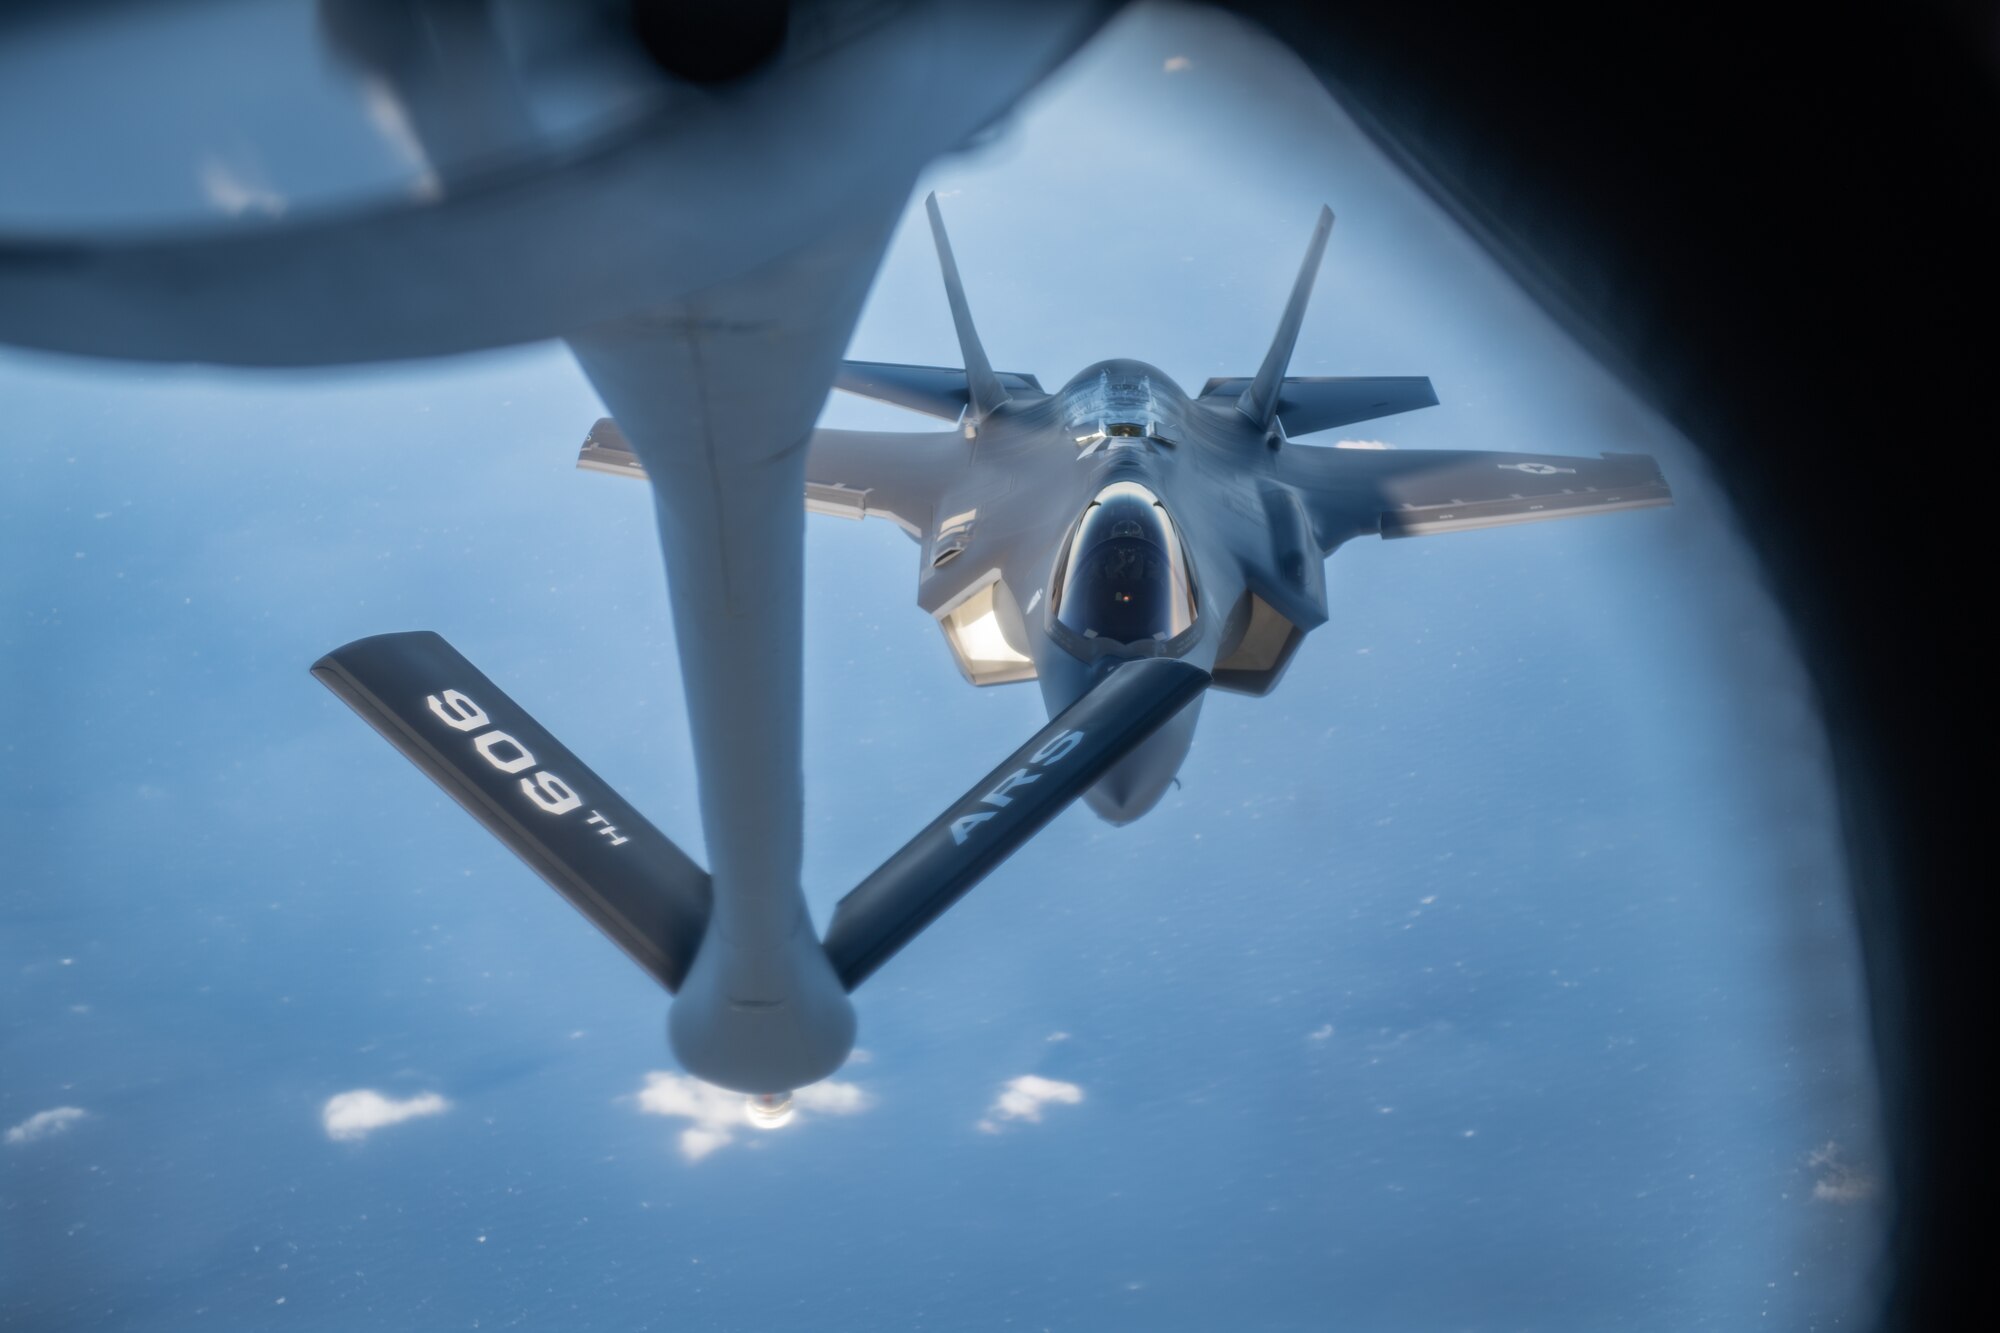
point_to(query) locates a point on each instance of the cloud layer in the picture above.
(1023, 1099)
(1839, 1180)
(715, 1115)
(45, 1124)
(349, 1116)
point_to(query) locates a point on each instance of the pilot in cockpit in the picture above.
(1125, 578)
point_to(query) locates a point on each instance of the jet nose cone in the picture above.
(1120, 802)
(1137, 782)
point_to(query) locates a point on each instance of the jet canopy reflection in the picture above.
(1115, 399)
(1124, 576)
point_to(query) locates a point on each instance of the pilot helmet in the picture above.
(1125, 576)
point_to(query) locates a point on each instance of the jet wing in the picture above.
(937, 391)
(1413, 493)
(849, 473)
(895, 475)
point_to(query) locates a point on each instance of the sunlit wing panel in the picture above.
(1453, 492)
(895, 475)
(1416, 493)
(907, 470)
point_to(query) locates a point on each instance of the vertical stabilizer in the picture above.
(1259, 402)
(982, 385)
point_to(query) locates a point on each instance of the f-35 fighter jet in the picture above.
(1120, 518)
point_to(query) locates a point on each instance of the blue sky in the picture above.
(1495, 972)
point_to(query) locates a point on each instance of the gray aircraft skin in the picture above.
(1119, 518)
(704, 250)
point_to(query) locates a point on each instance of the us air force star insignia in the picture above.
(1539, 469)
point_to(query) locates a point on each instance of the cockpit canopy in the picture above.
(1119, 398)
(1125, 575)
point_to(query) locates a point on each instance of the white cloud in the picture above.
(831, 1098)
(1320, 1033)
(1851, 1189)
(45, 1124)
(714, 1115)
(1175, 64)
(355, 1115)
(1023, 1099)
(235, 194)
(1839, 1181)
(1361, 444)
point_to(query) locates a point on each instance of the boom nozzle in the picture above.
(769, 1110)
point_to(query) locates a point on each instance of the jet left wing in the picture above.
(1414, 493)
(895, 475)
(936, 391)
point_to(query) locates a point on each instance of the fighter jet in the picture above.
(1118, 519)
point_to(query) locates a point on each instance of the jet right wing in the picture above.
(1416, 492)
(897, 475)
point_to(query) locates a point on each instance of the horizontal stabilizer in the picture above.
(915, 886)
(530, 791)
(1321, 402)
(938, 391)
